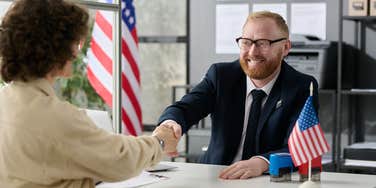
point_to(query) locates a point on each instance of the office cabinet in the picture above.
(351, 98)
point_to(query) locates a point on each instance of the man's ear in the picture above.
(286, 48)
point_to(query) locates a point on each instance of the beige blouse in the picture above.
(45, 142)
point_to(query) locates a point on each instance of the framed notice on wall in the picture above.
(229, 22)
(309, 19)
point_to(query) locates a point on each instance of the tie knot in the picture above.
(258, 94)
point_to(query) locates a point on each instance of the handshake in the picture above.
(170, 132)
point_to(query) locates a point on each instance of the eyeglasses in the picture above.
(262, 44)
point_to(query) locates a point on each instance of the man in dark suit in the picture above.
(253, 102)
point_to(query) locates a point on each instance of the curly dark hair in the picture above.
(37, 36)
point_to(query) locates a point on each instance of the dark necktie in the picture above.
(250, 138)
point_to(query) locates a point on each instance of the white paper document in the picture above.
(160, 167)
(309, 19)
(229, 22)
(101, 119)
(279, 8)
(143, 179)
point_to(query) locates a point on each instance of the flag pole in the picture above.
(309, 161)
(117, 71)
(309, 170)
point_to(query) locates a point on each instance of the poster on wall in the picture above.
(229, 22)
(309, 19)
(279, 8)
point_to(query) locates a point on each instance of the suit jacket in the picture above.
(222, 94)
(49, 143)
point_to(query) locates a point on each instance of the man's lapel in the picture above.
(237, 112)
(234, 108)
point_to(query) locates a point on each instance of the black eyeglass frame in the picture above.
(255, 41)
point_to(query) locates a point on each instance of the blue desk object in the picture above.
(281, 167)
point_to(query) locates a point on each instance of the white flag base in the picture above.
(310, 184)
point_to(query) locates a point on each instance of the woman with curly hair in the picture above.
(46, 142)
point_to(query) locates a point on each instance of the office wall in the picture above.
(202, 31)
(202, 51)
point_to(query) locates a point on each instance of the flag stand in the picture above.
(307, 142)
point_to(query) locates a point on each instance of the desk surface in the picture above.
(200, 175)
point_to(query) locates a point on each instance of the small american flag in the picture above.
(307, 140)
(99, 69)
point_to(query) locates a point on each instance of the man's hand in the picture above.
(245, 169)
(177, 132)
(167, 135)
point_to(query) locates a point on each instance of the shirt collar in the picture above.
(41, 84)
(267, 88)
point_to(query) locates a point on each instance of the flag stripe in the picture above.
(125, 131)
(296, 159)
(307, 140)
(133, 46)
(134, 36)
(131, 60)
(100, 73)
(127, 122)
(132, 116)
(303, 144)
(128, 90)
(320, 136)
(313, 142)
(101, 56)
(100, 89)
(103, 24)
(325, 143)
(104, 42)
(318, 140)
(317, 145)
(131, 77)
(108, 16)
(298, 147)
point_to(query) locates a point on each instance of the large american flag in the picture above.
(307, 140)
(99, 69)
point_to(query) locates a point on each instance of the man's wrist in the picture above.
(261, 157)
(160, 141)
(264, 160)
